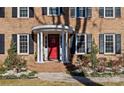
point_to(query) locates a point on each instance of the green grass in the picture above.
(34, 82)
(112, 83)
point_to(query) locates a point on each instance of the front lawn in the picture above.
(34, 82)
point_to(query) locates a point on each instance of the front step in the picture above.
(50, 67)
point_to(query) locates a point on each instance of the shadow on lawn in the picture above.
(82, 79)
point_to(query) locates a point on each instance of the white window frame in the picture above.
(48, 12)
(18, 13)
(18, 44)
(85, 35)
(74, 12)
(113, 13)
(113, 44)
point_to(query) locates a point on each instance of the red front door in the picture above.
(53, 44)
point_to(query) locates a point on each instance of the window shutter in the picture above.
(72, 12)
(101, 12)
(31, 12)
(14, 12)
(2, 12)
(101, 43)
(14, 40)
(44, 10)
(117, 12)
(2, 44)
(62, 10)
(118, 43)
(31, 44)
(78, 12)
(72, 44)
(89, 43)
(89, 12)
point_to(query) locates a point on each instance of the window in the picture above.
(23, 44)
(109, 43)
(23, 12)
(109, 12)
(80, 44)
(81, 12)
(53, 11)
(72, 12)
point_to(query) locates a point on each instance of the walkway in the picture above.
(63, 77)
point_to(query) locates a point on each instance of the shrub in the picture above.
(32, 73)
(13, 61)
(2, 70)
(10, 77)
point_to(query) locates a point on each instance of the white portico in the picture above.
(52, 42)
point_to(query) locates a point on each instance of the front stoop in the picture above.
(48, 67)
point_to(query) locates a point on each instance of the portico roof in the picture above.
(44, 28)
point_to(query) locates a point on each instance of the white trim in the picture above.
(48, 12)
(113, 13)
(113, 44)
(18, 12)
(18, 44)
(85, 36)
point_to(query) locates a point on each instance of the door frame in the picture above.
(58, 56)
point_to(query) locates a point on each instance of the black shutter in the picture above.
(101, 43)
(78, 12)
(31, 12)
(89, 43)
(14, 40)
(118, 43)
(89, 12)
(31, 44)
(2, 43)
(61, 10)
(2, 12)
(117, 12)
(72, 44)
(101, 12)
(44, 10)
(14, 12)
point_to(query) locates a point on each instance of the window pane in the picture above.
(82, 11)
(109, 44)
(54, 10)
(72, 11)
(23, 44)
(109, 11)
(80, 43)
(23, 11)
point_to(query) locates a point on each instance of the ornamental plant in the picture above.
(13, 61)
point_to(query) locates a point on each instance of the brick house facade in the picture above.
(56, 33)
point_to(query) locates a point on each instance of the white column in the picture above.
(40, 47)
(66, 49)
(63, 48)
(38, 52)
(46, 47)
(60, 49)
